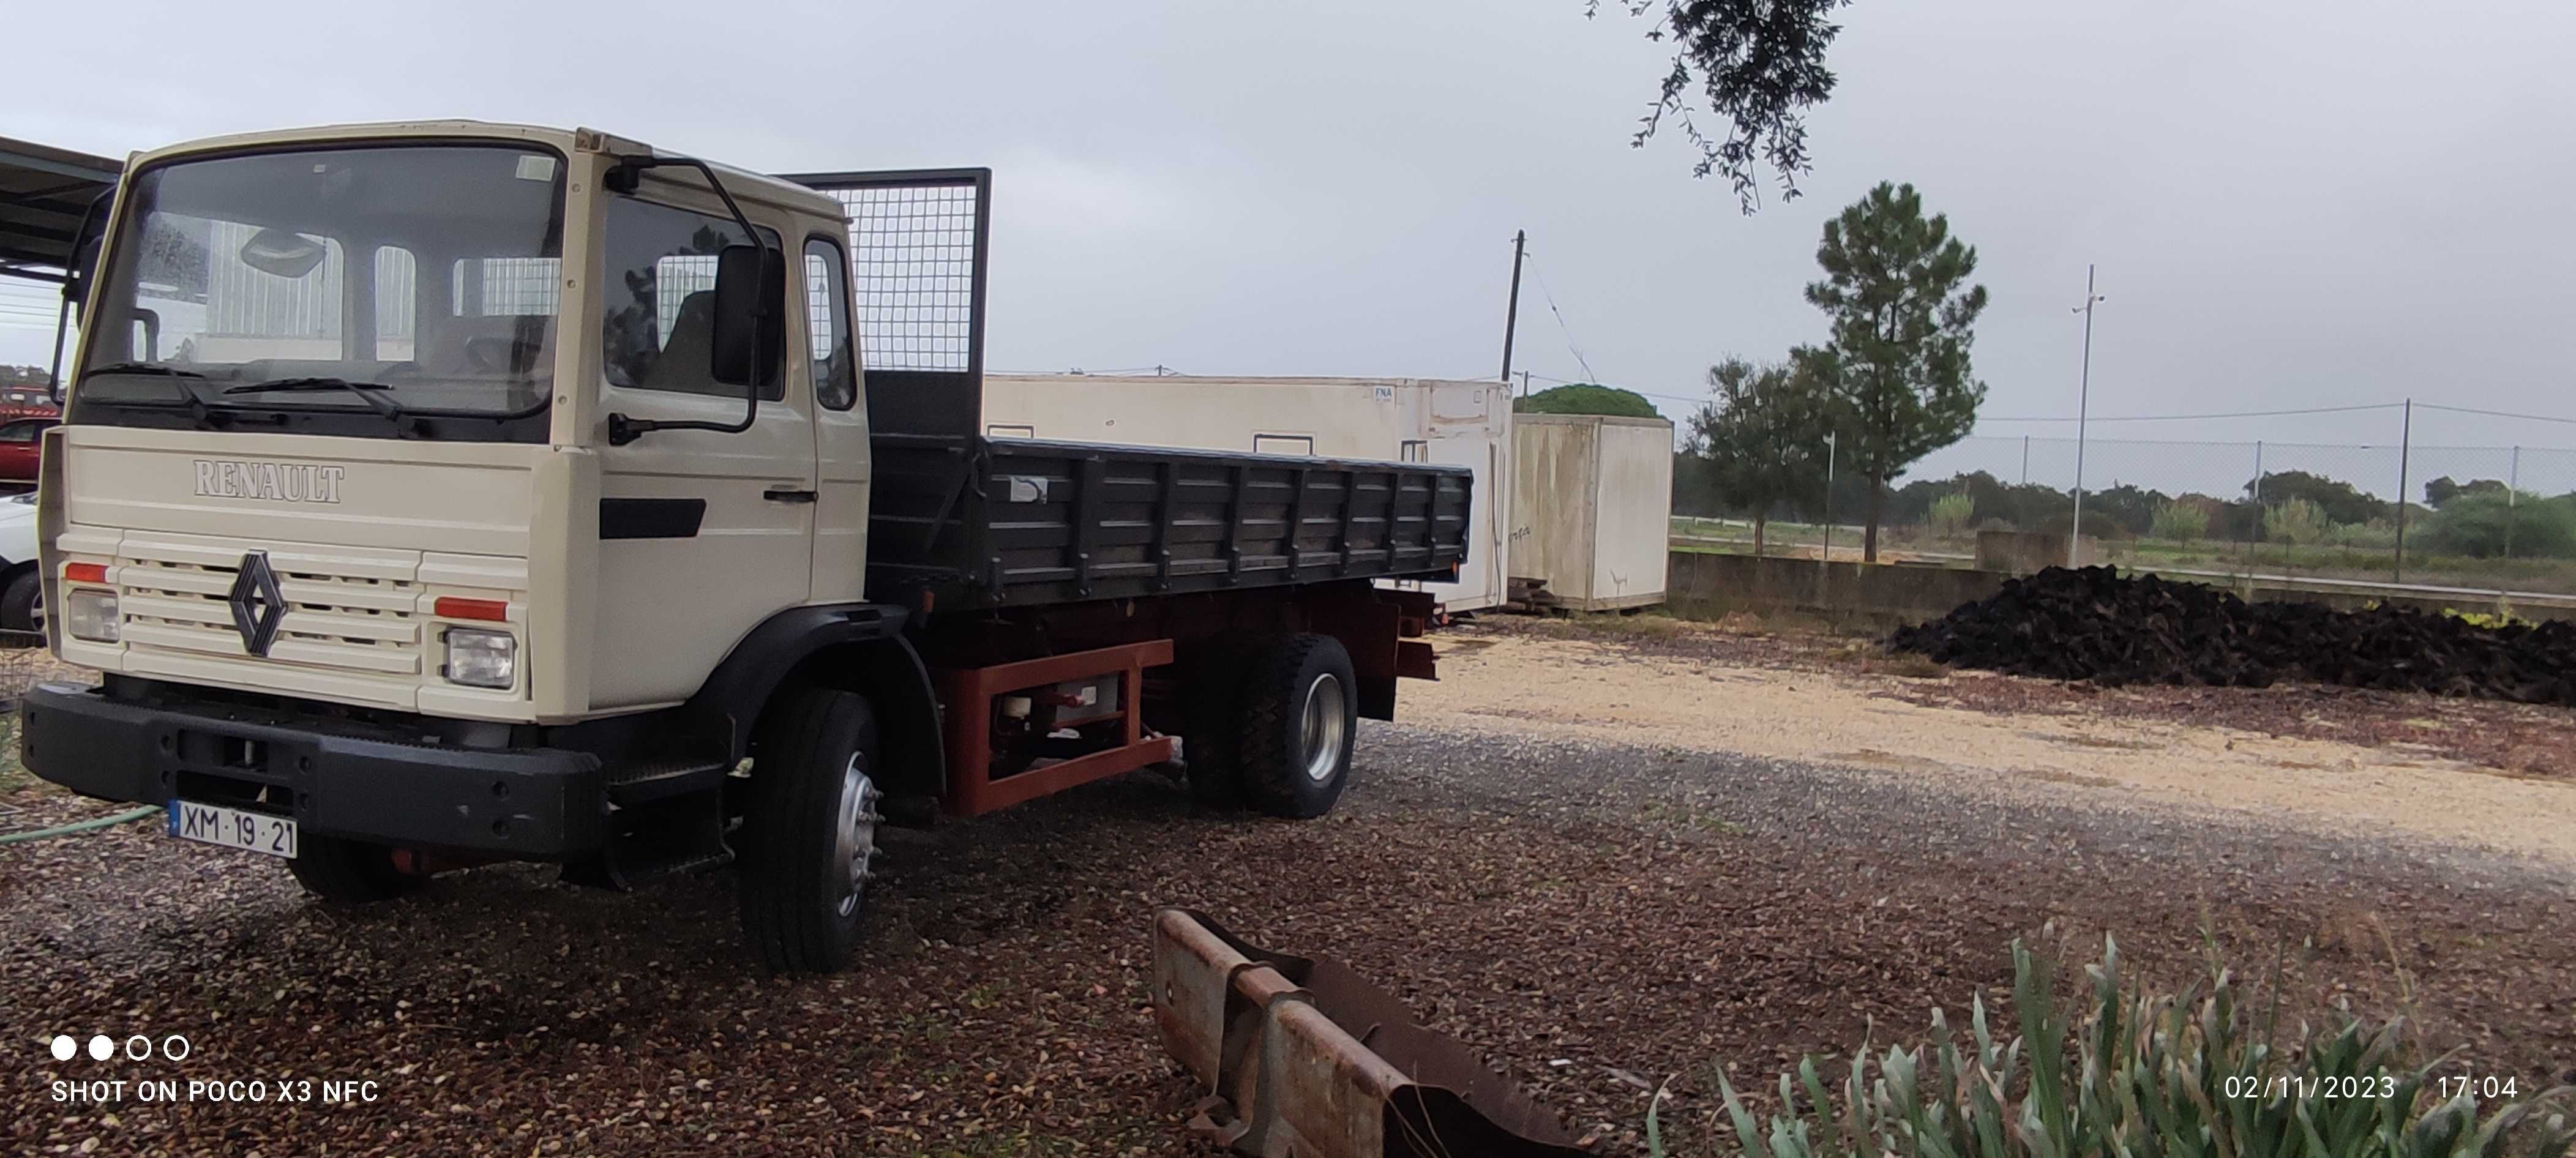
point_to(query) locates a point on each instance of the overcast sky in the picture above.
(2293, 202)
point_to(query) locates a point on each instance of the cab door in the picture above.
(840, 426)
(703, 534)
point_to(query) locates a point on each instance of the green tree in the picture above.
(2180, 520)
(2298, 522)
(2443, 490)
(1586, 398)
(1951, 513)
(2340, 501)
(2492, 524)
(1763, 437)
(1758, 64)
(1903, 314)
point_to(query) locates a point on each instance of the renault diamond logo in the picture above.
(257, 606)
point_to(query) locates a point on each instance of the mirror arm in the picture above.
(625, 178)
(73, 287)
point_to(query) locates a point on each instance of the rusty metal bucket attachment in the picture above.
(1305, 1058)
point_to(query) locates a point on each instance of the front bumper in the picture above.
(332, 777)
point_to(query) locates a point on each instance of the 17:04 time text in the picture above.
(2445, 1086)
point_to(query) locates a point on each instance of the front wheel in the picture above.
(1300, 720)
(809, 831)
(22, 602)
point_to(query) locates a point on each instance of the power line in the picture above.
(2493, 413)
(1561, 327)
(2189, 417)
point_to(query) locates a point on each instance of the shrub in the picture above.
(2178, 1076)
(2474, 523)
(2297, 522)
(2375, 535)
(1951, 512)
(2179, 520)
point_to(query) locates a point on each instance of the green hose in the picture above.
(81, 826)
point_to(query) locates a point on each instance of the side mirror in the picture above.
(751, 316)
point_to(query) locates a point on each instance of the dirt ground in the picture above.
(1602, 857)
(2496, 776)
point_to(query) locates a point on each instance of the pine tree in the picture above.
(1896, 366)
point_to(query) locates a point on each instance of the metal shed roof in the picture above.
(43, 192)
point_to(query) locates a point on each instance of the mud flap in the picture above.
(1305, 1057)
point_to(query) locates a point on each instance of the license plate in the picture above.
(233, 828)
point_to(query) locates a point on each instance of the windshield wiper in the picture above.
(141, 368)
(364, 391)
(183, 379)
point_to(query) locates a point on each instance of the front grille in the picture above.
(357, 616)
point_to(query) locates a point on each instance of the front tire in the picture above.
(809, 831)
(1300, 721)
(22, 603)
(348, 872)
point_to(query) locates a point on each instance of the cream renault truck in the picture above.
(445, 493)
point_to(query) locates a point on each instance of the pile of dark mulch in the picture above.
(2091, 624)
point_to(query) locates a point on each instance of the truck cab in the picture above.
(445, 492)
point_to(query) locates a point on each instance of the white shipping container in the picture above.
(1465, 423)
(1592, 508)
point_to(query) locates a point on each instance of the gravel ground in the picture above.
(1592, 913)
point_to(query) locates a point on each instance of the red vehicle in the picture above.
(19, 438)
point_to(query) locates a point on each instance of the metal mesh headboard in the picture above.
(917, 249)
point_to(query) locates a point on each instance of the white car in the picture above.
(22, 590)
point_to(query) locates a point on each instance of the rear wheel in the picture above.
(809, 831)
(348, 872)
(1300, 718)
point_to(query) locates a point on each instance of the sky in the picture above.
(2291, 204)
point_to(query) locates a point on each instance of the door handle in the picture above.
(788, 496)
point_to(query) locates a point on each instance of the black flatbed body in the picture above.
(985, 522)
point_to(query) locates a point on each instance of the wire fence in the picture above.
(2482, 518)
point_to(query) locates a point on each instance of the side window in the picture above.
(489, 287)
(827, 319)
(21, 432)
(657, 324)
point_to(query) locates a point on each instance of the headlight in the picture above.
(482, 659)
(90, 614)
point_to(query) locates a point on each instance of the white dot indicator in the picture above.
(65, 1047)
(100, 1048)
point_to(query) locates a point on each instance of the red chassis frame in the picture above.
(969, 693)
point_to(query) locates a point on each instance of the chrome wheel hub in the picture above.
(1325, 727)
(855, 834)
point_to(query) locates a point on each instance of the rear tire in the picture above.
(809, 831)
(1300, 722)
(348, 872)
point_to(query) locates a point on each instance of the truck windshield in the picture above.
(417, 282)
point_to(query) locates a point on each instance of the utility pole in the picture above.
(2512, 488)
(2405, 445)
(1525, 377)
(1824, 564)
(1512, 311)
(2083, 402)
